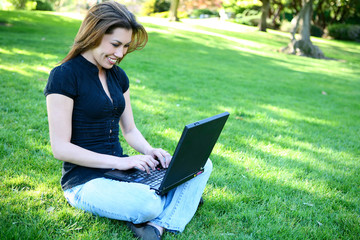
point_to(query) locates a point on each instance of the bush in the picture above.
(251, 12)
(203, 13)
(155, 6)
(162, 6)
(18, 4)
(252, 20)
(249, 16)
(286, 16)
(148, 7)
(44, 6)
(180, 14)
(160, 14)
(238, 9)
(344, 32)
(285, 26)
(316, 31)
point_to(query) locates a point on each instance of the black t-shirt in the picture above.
(95, 118)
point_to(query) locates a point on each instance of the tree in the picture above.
(303, 46)
(173, 10)
(276, 8)
(264, 14)
(328, 12)
(18, 4)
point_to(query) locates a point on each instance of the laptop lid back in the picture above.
(193, 150)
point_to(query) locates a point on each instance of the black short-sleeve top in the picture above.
(95, 118)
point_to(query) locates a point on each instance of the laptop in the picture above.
(190, 156)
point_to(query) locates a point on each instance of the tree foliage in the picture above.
(18, 4)
(155, 6)
(325, 12)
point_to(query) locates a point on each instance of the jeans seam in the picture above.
(169, 218)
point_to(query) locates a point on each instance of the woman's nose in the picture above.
(119, 53)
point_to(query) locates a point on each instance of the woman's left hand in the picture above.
(161, 155)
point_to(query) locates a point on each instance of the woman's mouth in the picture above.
(111, 60)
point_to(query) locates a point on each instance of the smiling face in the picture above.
(113, 46)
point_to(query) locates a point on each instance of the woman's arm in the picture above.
(60, 110)
(134, 137)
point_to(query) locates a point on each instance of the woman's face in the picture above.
(112, 47)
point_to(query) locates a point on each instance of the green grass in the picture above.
(285, 167)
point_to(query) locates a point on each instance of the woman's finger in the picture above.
(168, 158)
(144, 166)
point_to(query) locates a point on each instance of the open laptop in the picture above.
(188, 161)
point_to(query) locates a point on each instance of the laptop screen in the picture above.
(193, 150)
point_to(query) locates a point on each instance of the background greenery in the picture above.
(325, 12)
(285, 167)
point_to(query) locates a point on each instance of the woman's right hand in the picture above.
(141, 162)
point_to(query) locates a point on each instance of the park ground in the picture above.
(285, 167)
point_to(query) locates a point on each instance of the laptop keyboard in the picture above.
(154, 178)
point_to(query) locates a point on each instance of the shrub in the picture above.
(316, 31)
(249, 16)
(160, 14)
(162, 5)
(18, 4)
(43, 6)
(285, 26)
(238, 9)
(251, 12)
(154, 6)
(148, 7)
(286, 16)
(180, 14)
(252, 20)
(354, 32)
(344, 32)
(201, 13)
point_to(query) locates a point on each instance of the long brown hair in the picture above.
(102, 19)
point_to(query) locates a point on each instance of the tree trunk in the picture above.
(303, 46)
(264, 14)
(173, 10)
(277, 14)
(306, 21)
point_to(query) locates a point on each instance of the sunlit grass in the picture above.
(285, 167)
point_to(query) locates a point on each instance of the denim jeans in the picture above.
(137, 203)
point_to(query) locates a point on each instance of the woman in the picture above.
(88, 98)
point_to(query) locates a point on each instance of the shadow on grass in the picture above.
(268, 84)
(286, 108)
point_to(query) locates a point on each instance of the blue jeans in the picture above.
(137, 203)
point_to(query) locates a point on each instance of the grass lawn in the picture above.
(286, 166)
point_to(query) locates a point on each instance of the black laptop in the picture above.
(188, 161)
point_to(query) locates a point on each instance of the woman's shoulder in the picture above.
(65, 68)
(119, 73)
(118, 70)
(62, 79)
(120, 76)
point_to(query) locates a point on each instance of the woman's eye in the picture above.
(115, 45)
